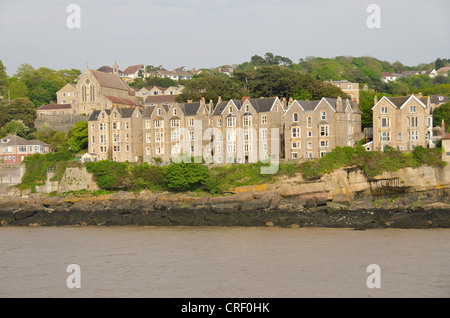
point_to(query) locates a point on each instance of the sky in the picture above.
(209, 33)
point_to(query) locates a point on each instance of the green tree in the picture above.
(15, 127)
(16, 89)
(78, 137)
(3, 76)
(442, 113)
(18, 109)
(438, 63)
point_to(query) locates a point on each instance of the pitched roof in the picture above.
(434, 99)
(120, 100)
(191, 109)
(132, 69)
(160, 99)
(55, 106)
(124, 113)
(14, 140)
(308, 105)
(443, 70)
(109, 80)
(148, 111)
(262, 105)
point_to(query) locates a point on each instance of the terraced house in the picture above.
(247, 130)
(175, 129)
(314, 128)
(402, 122)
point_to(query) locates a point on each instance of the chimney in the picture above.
(443, 128)
(219, 99)
(284, 103)
(375, 100)
(339, 107)
(190, 101)
(244, 98)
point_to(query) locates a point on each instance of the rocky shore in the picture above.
(411, 198)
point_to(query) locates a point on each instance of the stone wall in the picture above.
(10, 175)
(76, 179)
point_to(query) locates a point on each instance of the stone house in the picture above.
(401, 122)
(67, 94)
(314, 128)
(116, 134)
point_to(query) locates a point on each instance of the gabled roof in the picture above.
(434, 99)
(109, 80)
(120, 100)
(132, 69)
(446, 137)
(107, 69)
(191, 109)
(262, 105)
(399, 102)
(55, 106)
(126, 112)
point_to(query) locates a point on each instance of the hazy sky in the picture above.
(203, 34)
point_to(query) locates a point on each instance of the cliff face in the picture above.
(410, 198)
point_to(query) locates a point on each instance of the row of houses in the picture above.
(232, 131)
(392, 77)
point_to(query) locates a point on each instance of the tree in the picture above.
(15, 127)
(438, 64)
(3, 76)
(18, 109)
(78, 137)
(16, 89)
(442, 113)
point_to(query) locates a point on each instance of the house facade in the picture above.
(349, 88)
(314, 128)
(14, 149)
(402, 123)
(67, 94)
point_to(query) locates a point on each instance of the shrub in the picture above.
(110, 175)
(149, 177)
(184, 176)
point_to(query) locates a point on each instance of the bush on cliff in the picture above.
(110, 175)
(186, 176)
(145, 176)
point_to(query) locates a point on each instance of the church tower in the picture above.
(116, 69)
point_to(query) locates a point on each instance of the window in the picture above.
(148, 151)
(264, 119)
(127, 138)
(175, 123)
(127, 125)
(231, 121)
(116, 138)
(385, 122)
(323, 131)
(92, 127)
(295, 117)
(309, 122)
(148, 138)
(159, 123)
(191, 136)
(22, 148)
(264, 134)
(413, 121)
(247, 120)
(30, 148)
(93, 139)
(385, 136)
(296, 132)
(350, 87)
(92, 93)
(310, 133)
(175, 135)
(219, 122)
(247, 147)
(295, 145)
(230, 109)
(83, 94)
(294, 155)
(148, 124)
(323, 115)
(322, 153)
(128, 148)
(309, 145)
(413, 135)
(399, 136)
(231, 136)
(246, 108)
(159, 111)
(174, 111)
(191, 122)
(412, 109)
(324, 143)
(247, 135)
(384, 110)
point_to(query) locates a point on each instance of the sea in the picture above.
(223, 262)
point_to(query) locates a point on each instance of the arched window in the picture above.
(92, 93)
(83, 94)
(309, 121)
(295, 117)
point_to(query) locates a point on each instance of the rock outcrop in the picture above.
(410, 198)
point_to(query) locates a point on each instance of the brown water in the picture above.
(223, 262)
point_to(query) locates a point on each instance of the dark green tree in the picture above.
(18, 109)
(78, 137)
(442, 113)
